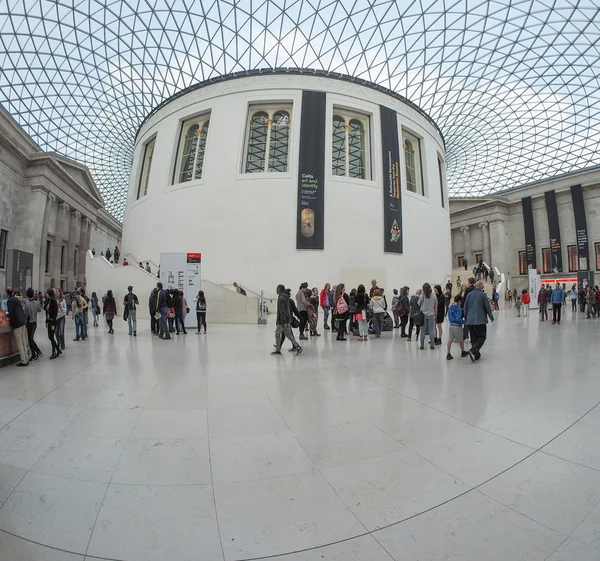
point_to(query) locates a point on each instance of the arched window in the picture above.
(192, 148)
(268, 140)
(412, 163)
(146, 165)
(349, 139)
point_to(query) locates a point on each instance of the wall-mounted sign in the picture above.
(392, 202)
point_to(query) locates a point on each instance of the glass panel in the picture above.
(522, 262)
(188, 155)
(148, 165)
(338, 156)
(357, 154)
(409, 163)
(573, 258)
(201, 146)
(279, 142)
(547, 260)
(441, 183)
(257, 142)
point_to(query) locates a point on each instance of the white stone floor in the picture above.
(207, 448)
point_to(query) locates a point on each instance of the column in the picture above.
(84, 245)
(42, 284)
(62, 234)
(74, 225)
(486, 242)
(499, 258)
(467, 245)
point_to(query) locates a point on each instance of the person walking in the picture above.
(85, 314)
(573, 297)
(32, 309)
(455, 332)
(543, 303)
(526, 300)
(495, 298)
(16, 315)
(325, 304)
(152, 309)
(428, 304)
(378, 307)
(556, 299)
(395, 309)
(312, 309)
(466, 262)
(284, 322)
(95, 304)
(362, 309)
(590, 300)
(162, 308)
(77, 306)
(342, 307)
(403, 310)
(51, 306)
(301, 303)
(470, 288)
(130, 304)
(414, 310)
(200, 301)
(477, 311)
(109, 310)
(61, 318)
(440, 314)
(180, 306)
(581, 294)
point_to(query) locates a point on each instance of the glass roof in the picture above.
(513, 84)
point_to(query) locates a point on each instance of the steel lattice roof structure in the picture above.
(513, 84)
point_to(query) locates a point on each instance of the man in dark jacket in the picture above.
(470, 288)
(152, 301)
(16, 315)
(403, 310)
(162, 307)
(477, 311)
(284, 321)
(542, 299)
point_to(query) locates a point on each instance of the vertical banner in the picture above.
(581, 232)
(535, 282)
(310, 230)
(554, 230)
(392, 203)
(529, 231)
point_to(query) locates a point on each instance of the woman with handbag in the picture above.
(428, 304)
(51, 306)
(440, 313)
(362, 310)
(109, 310)
(59, 332)
(416, 317)
(95, 308)
(201, 311)
(342, 310)
(403, 310)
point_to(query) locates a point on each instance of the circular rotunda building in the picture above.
(284, 176)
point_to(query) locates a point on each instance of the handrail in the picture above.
(248, 290)
(137, 262)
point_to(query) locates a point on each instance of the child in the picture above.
(526, 299)
(518, 306)
(455, 316)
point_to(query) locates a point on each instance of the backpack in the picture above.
(130, 302)
(342, 306)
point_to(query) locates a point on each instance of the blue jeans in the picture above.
(84, 333)
(79, 327)
(325, 314)
(163, 326)
(95, 316)
(132, 321)
(363, 327)
(428, 327)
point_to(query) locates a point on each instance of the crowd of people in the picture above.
(361, 313)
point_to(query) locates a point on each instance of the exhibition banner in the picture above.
(529, 231)
(581, 232)
(535, 283)
(392, 203)
(554, 231)
(310, 231)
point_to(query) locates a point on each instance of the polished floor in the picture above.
(207, 448)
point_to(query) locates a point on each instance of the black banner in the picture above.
(583, 248)
(311, 172)
(529, 231)
(554, 231)
(392, 203)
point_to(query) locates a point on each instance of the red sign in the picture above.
(194, 257)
